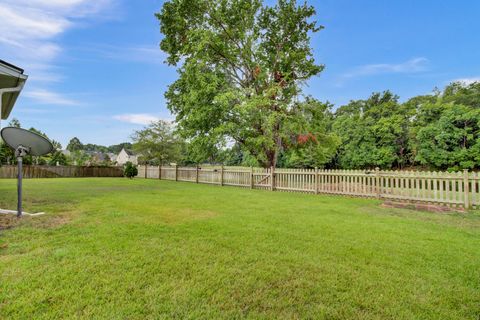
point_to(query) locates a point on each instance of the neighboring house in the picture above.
(99, 157)
(126, 155)
(112, 156)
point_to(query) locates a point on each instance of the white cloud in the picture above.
(66, 8)
(29, 36)
(467, 81)
(150, 54)
(20, 25)
(137, 118)
(43, 96)
(414, 65)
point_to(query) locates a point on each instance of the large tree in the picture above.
(241, 68)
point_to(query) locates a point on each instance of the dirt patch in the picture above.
(465, 220)
(421, 207)
(8, 221)
(48, 221)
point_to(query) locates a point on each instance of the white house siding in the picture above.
(123, 157)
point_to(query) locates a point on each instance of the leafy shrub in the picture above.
(130, 170)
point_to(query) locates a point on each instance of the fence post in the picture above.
(251, 178)
(196, 174)
(146, 168)
(377, 182)
(316, 180)
(160, 172)
(466, 190)
(176, 172)
(272, 178)
(221, 175)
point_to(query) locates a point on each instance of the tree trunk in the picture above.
(271, 155)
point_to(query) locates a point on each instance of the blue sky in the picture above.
(96, 71)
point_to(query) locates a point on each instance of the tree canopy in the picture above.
(438, 131)
(74, 145)
(241, 65)
(157, 143)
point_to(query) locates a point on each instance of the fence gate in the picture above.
(262, 180)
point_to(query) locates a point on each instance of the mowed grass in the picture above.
(149, 249)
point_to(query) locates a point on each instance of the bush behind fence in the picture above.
(456, 189)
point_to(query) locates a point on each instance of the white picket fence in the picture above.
(457, 189)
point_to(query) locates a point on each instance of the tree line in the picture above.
(78, 153)
(76, 145)
(439, 131)
(93, 154)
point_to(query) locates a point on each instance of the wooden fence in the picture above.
(35, 171)
(456, 189)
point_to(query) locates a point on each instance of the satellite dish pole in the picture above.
(20, 152)
(24, 142)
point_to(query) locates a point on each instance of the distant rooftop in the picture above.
(7, 64)
(129, 152)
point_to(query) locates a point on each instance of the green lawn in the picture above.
(149, 249)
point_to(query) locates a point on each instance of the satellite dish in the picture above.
(16, 137)
(24, 142)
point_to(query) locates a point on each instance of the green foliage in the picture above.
(242, 71)
(74, 145)
(130, 170)
(374, 132)
(90, 147)
(116, 148)
(452, 141)
(80, 158)
(158, 143)
(14, 123)
(459, 93)
(311, 143)
(6, 154)
(236, 156)
(201, 150)
(58, 158)
(439, 131)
